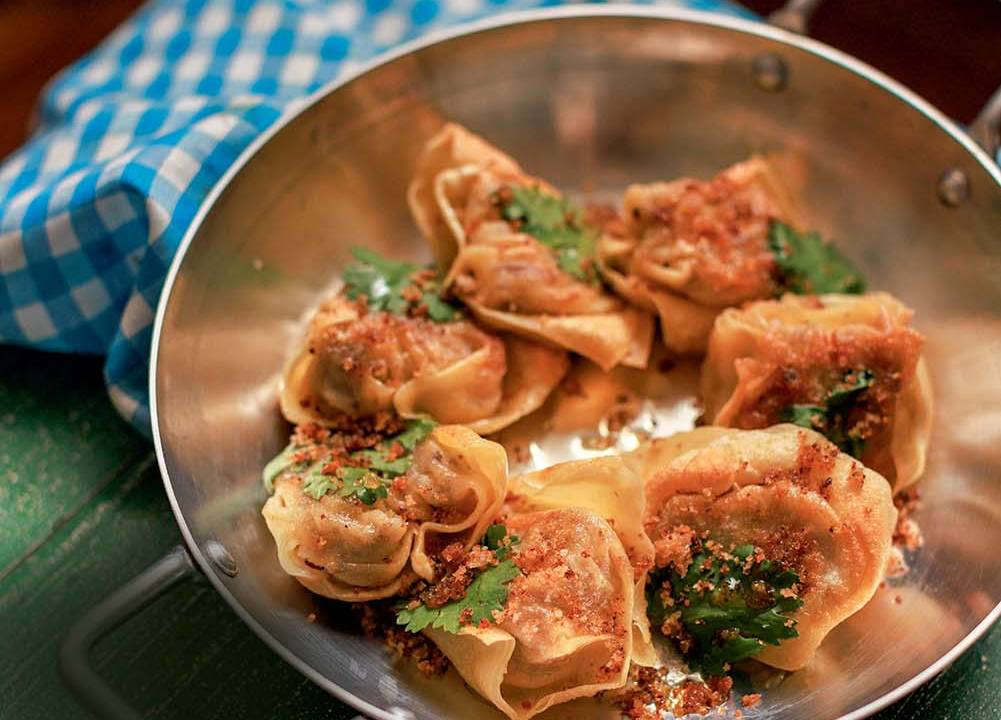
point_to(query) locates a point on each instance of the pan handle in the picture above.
(74, 651)
(986, 127)
(795, 15)
(985, 130)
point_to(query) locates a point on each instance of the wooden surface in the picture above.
(82, 509)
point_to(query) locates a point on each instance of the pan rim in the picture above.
(567, 12)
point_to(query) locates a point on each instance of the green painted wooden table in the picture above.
(82, 510)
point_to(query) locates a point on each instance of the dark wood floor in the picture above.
(949, 51)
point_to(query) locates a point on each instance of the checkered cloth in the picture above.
(130, 140)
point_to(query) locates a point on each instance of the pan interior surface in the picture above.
(590, 103)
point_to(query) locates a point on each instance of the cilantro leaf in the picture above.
(499, 541)
(494, 536)
(362, 484)
(367, 474)
(558, 224)
(416, 432)
(487, 593)
(810, 266)
(730, 604)
(439, 310)
(279, 464)
(831, 417)
(390, 286)
(316, 484)
(807, 416)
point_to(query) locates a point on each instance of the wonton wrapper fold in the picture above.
(611, 488)
(345, 550)
(336, 548)
(508, 279)
(458, 480)
(547, 649)
(751, 486)
(451, 372)
(691, 248)
(749, 346)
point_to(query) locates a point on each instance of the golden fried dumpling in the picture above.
(614, 490)
(519, 255)
(565, 631)
(690, 248)
(794, 501)
(848, 366)
(353, 517)
(453, 490)
(339, 548)
(360, 362)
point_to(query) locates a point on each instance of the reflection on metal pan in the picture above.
(589, 97)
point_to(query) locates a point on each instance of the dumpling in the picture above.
(565, 631)
(354, 510)
(689, 248)
(363, 355)
(777, 521)
(848, 366)
(518, 254)
(614, 490)
(453, 491)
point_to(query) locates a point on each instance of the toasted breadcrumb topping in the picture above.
(649, 694)
(378, 620)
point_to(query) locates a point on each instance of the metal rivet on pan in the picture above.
(953, 187)
(221, 558)
(770, 72)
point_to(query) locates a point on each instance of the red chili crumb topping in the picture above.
(647, 695)
(378, 620)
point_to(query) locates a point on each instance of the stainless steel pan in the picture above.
(587, 97)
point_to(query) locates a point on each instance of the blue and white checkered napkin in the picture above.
(131, 139)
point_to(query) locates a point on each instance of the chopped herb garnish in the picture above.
(499, 541)
(831, 417)
(415, 433)
(363, 484)
(810, 266)
(558, 224)
(316, 484)
(486, 594)
(362, 474)
(729, 605)
(282, 462)
(396, 287)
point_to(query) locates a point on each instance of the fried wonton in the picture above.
(518, 254)
(613, 489)
(783, 500)
(848, 366)
(360, 362)
(565, 632)
(689, 248)
(354, 517)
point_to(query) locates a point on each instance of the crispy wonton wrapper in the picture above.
(690, 248)
(510, 280)
(610, 487)
(565, 632)
(790, 492)
(779, 352)
(359, 363)
(343, 549)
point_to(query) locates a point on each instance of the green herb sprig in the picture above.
(732, 607)
(391, 286)
(364, 474)
(830, 418)
(558, 224)
(486, 594)
(810, 266)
